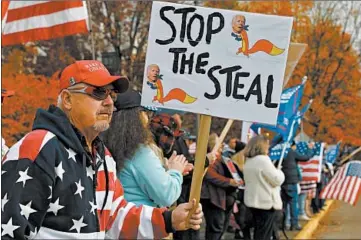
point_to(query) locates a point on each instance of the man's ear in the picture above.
(67, 100)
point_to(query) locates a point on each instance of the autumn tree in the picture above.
(31, 92)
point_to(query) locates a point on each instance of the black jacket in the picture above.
(289, 166)
(53, 188)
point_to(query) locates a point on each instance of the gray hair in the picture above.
(152, 65)
(235, 17)
(59, 101)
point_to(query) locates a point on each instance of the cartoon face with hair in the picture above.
(238, 23)
(153, 73)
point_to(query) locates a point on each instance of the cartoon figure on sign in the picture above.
(240, 34)
(155, 82)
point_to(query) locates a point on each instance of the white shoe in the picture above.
(304, 217)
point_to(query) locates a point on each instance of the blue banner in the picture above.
(290, 101)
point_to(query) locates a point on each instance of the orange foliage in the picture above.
(31, 92)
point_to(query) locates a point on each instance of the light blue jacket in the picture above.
(146, 182)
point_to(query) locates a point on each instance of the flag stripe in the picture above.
(45, 21)
(103, 218)
(119, 220)
(4, 8)
(158, 221)
(354, 193)
(357, 195)
(145, 227)
(350, 188)
(324, 193)
(21, 4)
(311, 161)
(339, 177)
(338, 186)
(44, 8)
(45, 33)
(132, 219)
(341, 196)
(102, 181)
(100, 195)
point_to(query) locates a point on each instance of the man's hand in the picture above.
(189, 167)
(180, 213)
(234, 183)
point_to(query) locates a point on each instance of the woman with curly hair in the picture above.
(139, 162)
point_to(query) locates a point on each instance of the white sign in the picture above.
(216, 62)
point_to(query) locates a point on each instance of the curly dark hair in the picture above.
(125, 134)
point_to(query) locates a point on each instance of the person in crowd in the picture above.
(262, 187)
(229, 148)
(290, 187)
(192, 145)
(218, 193)
(243, 216)
(4, 94)
(59, 182)
(141, 171)
(180, 146)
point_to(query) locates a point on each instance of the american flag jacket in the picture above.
(53, 188)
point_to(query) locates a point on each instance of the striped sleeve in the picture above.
(130, 222)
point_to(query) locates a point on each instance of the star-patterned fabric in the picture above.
(51, 191)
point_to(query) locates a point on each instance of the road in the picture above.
(342, 222)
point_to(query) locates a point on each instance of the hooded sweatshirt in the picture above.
(53, 188)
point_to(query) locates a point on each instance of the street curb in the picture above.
(308, 230)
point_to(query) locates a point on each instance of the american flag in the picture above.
(26, 21)
(345, 185)
(311, 170)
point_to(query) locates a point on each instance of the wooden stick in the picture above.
(220, 140)
(349, 156)
(202, 141)
(223, 135)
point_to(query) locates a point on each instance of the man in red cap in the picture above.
(59, 181)
(4, 93)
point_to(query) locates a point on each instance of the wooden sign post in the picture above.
(197, 178)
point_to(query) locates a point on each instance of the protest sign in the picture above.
(216, 62)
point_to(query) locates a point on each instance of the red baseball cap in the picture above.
(93, 73)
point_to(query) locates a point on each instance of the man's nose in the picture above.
(108, 101)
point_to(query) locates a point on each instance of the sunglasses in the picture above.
(98, 93)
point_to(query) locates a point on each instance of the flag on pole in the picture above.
(332, 152)
(311, 169)
(275, 152)
(25, 21)
(290, 101)
(345, 185)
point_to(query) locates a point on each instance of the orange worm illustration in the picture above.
(240, 33)
(173, 94)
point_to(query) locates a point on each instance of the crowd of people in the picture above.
(100, 165)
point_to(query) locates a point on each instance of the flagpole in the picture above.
(91, 29)
(285, 145)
